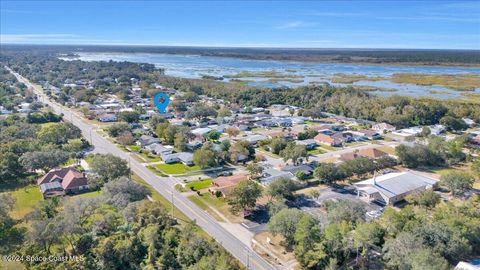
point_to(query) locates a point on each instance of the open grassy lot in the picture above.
(275, 247)
(207, 201)
(25, 200)
(156, 171)
(387, 149)
(176, 168)
(463, 168)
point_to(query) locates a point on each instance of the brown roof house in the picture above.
(62, 181)
(328, 140)
(224, 184)
(369, 152)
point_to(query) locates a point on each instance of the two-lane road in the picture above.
(164, 185)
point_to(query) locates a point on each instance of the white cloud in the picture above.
(294, 24)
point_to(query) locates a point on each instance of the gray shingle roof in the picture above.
(394, 184)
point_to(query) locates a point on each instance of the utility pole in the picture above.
(248, 258)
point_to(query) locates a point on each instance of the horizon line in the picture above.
(230, 46)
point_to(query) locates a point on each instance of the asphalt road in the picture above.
(164, 185)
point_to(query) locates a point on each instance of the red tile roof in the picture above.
(69, 177)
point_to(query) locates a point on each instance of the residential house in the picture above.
(366, 134)
(224, 184)
(169, 158)
(370, 153)
(309, 143)
(279, 133)
(383, 127)
(298, 120)
(159, 149)
(254, 138)
(68, 181)
(183, 157)
(194, 145)
(328, 140)
(282, 122)
(344, 136)
(408, 132)
(186, 158)
(306, 169)
(266, 123)
(271, 174)
(391, 188)
(200, 132)
(146, 140)
(107, 117)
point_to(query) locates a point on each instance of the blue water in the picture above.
(194, 66)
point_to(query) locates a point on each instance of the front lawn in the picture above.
(176, 168)
(25, 200)
(149, 156)
(207, 201)
(330, 148)
(198, 185)
(133, 148)
(316, 151)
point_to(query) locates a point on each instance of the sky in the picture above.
(299, 24)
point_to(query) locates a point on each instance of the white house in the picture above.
(201, 131)
(271, 174)
(381, 127)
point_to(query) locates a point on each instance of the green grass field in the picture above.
(328, 147)
(91, 194)
(197, 185)
(316, 151)
(201, 202)
(176, 168)
(25, 200)
(133, 148)
(207, 201)
(149, 157)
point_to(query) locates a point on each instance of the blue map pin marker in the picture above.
(161, 100)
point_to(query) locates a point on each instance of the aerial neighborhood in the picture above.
(253, 168)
